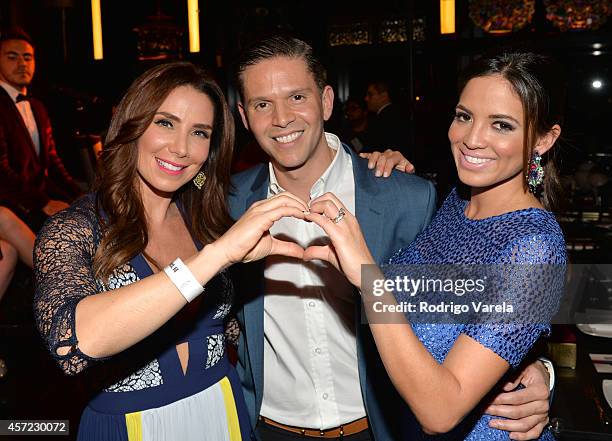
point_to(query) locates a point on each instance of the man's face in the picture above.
(375, 99)
(285, 110)
(17, 63)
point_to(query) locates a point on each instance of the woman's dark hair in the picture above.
(539, 82)
(118, 197)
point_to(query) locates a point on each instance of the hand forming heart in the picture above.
(249, 239)
(348, 250)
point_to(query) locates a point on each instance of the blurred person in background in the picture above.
(33, 180)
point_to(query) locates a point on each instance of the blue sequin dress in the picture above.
(529, 236)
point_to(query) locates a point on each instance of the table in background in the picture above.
(579, 404)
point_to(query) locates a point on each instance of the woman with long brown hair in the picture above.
(113, 298)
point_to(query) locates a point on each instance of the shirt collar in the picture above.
(382, 108)
(331, 177)
(10, 90)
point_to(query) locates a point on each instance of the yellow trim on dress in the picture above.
(233, 426)
(133, 422)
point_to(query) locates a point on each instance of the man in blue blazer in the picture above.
(308, 366)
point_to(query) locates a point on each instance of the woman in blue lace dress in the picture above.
(114, 303)
(503, 135)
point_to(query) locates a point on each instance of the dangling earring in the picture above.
(199, 180)
(535, 173)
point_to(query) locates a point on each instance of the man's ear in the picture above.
(327, 100)
(546, 141)
(245, 121)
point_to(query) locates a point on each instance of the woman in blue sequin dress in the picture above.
(151, 351)
(507, 122)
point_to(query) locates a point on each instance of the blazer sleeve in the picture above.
(15, 190)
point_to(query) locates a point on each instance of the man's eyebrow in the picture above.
(290, 93)
(177, 119)
(298, 91)
(257, 98)
(17, 53)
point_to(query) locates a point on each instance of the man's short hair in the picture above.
(15, 33)
(380, 86)
(280, 46)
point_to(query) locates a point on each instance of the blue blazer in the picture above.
(391, 212)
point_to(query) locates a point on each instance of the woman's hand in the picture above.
(348, 250)
(249, 238)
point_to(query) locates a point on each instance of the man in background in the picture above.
(388, 128)
(33, 180)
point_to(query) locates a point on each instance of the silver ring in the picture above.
(340, 216)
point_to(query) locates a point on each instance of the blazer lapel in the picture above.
(254, 308)
(370, 212)
(42, 138)
(10, 106)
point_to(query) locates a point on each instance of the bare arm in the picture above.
(109, 322)
(439, 394)
(17, 233)
(112, 321)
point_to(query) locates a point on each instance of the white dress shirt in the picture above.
(26, 114)
(311, 377)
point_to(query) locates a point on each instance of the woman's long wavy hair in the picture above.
(124, 223)
(539, 82)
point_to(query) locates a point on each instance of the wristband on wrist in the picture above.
(184, 280)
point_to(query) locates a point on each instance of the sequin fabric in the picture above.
(530, 236)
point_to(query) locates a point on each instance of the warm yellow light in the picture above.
(447, 16)
(193, 15)
(96, 25)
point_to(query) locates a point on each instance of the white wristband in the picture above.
(184, 280)
(551, 371)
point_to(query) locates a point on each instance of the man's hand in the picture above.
(54, 206)
(387, 161)
(527, 409)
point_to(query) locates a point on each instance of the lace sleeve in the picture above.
(534, 270)
(63, 257)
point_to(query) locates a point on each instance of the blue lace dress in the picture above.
(530, 236)
(141, 393)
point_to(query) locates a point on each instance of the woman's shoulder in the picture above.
(80, 216)
(534, 236)
(454, 203)
(531, 222)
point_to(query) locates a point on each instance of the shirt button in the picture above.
(318, 350)
(325, 396)
(311, 304)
